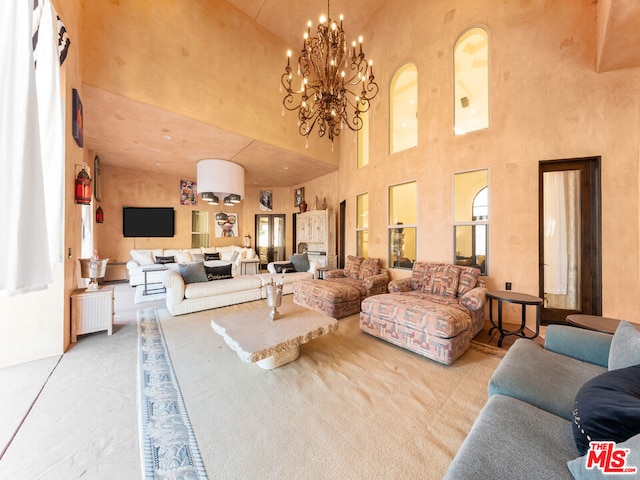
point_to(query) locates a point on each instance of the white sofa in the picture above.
(192, 297)
(145, 258)
(289, 278)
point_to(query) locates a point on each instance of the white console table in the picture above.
(91, 311)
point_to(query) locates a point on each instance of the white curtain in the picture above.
(555, 234)
(562, 239)
(25, 260)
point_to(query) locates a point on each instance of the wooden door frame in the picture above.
(591, 235)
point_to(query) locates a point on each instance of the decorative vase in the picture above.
(303, 206)
(274, 300)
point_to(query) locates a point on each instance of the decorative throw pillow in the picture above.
(197, 257)
(468, 279)
(625, 346)
(165, 260)
(369, 268)
(220, 272)
(211, 256)
(142, 257)
(607, 408)
(284, 267)
(192, 272)
(443, 281)
(234, 256)
(418, 274)
(352, 266)
(300, 262)
(426, 283)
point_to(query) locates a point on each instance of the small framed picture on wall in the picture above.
(266, 200)
(299, 197)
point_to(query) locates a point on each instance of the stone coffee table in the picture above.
(270, 344)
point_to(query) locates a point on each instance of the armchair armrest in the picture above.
(131, 264)
(400, 285)
(578, 343)
(376, 284)
(475, 299)
(335, 273)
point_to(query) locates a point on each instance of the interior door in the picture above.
(270, 237)
(570, 238)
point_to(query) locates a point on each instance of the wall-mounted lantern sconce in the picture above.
(99, 215)
(83, 187)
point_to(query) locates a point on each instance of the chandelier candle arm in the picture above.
(330, 74)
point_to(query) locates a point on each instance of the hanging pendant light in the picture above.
(83, 187)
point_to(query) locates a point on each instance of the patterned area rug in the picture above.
(168, 445)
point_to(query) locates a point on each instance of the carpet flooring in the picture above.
(350, 407)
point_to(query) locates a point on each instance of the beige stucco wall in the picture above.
(136, 188)
(546, 102)
(37, 325)
(202, 59)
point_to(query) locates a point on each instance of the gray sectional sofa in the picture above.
(526, 428)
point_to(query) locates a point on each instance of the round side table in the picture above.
(593, 322)
(508, 296)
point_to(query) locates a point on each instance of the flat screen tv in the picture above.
(148, 222)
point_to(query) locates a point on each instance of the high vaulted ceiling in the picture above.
(129, 135)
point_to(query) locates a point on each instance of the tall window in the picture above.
(403, 225)
(471, 72)
(404, 108)
(363, 142)
(471, 218)
(86, 242)
(362, 225)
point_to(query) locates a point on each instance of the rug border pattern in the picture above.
(158, 432)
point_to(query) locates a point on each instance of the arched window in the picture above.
(404, 108)
(471, 78)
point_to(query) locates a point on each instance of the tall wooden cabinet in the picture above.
(316, 234)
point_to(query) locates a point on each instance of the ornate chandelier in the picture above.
(336, 82)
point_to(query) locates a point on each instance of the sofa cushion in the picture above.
(193, 272)
(165, 260)
(580, 471)
(442, 280)
(142, 257)
(212, 256)
(419, 275)
(300, 262)
(369, 267)
(242, 283)
(511, 439)
(197, 257)
(625, 346)
(352, 266)
(607, 408)
(219, 272)
(439, 316)
(543, 378)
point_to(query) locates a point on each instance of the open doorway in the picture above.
(270, 238)
(570, 245)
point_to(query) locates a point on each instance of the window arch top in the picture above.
(471, 81)
(403, 110)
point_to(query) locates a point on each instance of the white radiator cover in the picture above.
(91, 311)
